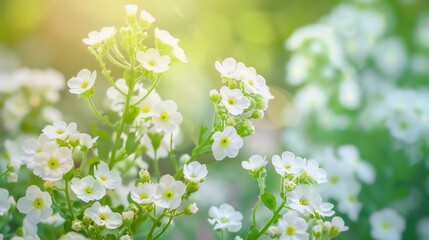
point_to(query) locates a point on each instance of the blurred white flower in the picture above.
(72, 236)
(146, 17)
(226, 143)
(169, 192)
(4, 201)
(54, 220)
(422, 31)
(84, 81)
(310, 98)
(314, 172)
(52, 162)
(337, 226)
(298, 69)
(152, 60)
(234, 100)
(144, 193)
(103, 216)
(292, 227)
(386, 224)
(33, 146)
(131, 9)
(225, 217)
(35, 204)
(88, 188)
(109, 178)
(229, 68)
(166, 117)
(164, 39)
(390, 57)
(195, 172)
(255, 163)
(94, 37)
(60, 130)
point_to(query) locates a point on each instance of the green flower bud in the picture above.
(290, 186)
(77, 225)
(317, 231)
(144, 176)
(49, 186)
(191, 209)
(214, 96)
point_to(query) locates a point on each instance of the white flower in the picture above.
(350, 155)
(338, 226)
(254, 164)
(195, 172)
(125, 237)
(386, 224)
(148, 104)
(169, 192)
(95, 37)
(84, 81)
(146, 17)
(128, 215)
(288, 164)
(165, 116)
(310, 98)
(131, 9)
(151, 60)
(292, 227)
(103, 216)
(164, 39)
(109, 178)
(35, 204)
(226, 143)
(234, 100)
(60, 130)
(72, 236)
(229, 68)
(390, 57)
(4, 201)
(88, 188)
(225, 217)
(54, 220)
(304, 199)
(53, 162)
(179, 54)
(33, 146)
(143, 193)
(315, 173)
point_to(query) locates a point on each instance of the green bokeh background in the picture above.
(48, 34)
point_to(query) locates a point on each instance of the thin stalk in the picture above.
(273, 218)
(261, 191)
(172, 155)
(7, 170)
(116, 62)
(83, 162)
(98, 114)
(165, 228)
(156, 165)
(66, 189)
(154, 226)
(150, 90)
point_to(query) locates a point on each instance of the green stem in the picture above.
(1, 175)
(150, 90)
(116, 62)
(261, 191)
(273, 218)
(82, 166)
(172, 155)
(165, 228)
(155, 224)
(121, 126)
(156, 165)
(98, 114)
(195, 153)
(66, 189)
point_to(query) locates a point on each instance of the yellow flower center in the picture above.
(60, 131)
(145, 109)
(290, 231)
(168, 194)
(224, 142)
(143, 196)
(333, 180)
(231, 101)
(251, 83)
(151, 63)
(287, 166)
(38, 203)
(303, 201)
(352, 198)
(403, 125)
(103, 178)
(52, 163)
(385, 226)
(84, 84)
(224, 220)
(103, 216)
(163, 116)
(89, 190)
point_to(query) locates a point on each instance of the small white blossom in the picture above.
(60, 130)
(4, 201)
(164, 39)
(166, 117)
(292, 227)
(35, 204)
(147, 106)
(84, 81)
(146, 17)
(234, 100)
(151, 60)
(88, 188)
(131, 9)
(169, 192)
(72, 236)
(305, 199)
(225, 217)
(226, 143)
(314, 172)
(338, 226)
(53, 162)
(109, 178)
(229, 68)
(103, 216)
(386, 224)
(195, 172)
(288, 164)
(33, 146)
(95, 37)
(54, 220)
(144, 193)
(254, 164)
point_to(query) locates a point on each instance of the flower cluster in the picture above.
(28, 94)
(300, 215)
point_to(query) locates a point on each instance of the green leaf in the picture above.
(131, 144)
(269, 201)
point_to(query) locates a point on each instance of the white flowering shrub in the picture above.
(97, 186)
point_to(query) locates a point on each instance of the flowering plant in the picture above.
(98, 186)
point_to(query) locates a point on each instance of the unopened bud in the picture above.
(273, 231)
(128, 217)
(184, 159)
(290, 186)
(144, 176)
(214, 96)
(77, 225)
(125, 237)
(317, 230)
(191, 209)
(48, 186)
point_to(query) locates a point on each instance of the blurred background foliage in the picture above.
(48, 34)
